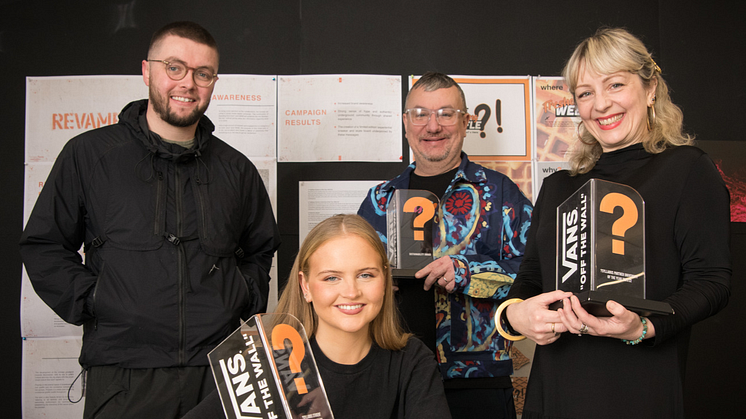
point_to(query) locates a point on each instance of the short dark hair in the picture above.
(432, 81)
(185, 29)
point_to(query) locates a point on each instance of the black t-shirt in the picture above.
(383, 385)
(436, 184)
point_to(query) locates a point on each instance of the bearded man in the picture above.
(179, 237)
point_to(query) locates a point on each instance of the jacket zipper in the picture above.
(157, 229)
(181, 267)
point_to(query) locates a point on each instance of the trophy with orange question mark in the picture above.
(601, 248)
(411, 217)
(266, 370)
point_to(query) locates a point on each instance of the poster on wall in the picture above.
(555, 118)
(555, 121)
(339, 118)
(319, 200)
(500, 128)
(59, 108)
(520, 172)
(51, 381)
(542, 169)
(36, 174)
(243, 109)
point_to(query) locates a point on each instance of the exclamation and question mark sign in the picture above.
(482, 121)
(428, 211)
(280, 333)
(482, 114)
(622, 224)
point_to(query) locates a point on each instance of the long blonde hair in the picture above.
(385, 329)
(608, 51)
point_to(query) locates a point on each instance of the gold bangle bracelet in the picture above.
(498, 323)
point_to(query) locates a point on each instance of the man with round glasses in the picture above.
(179, 237)
(479, 245)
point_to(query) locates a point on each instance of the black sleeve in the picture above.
(702, 233)
(258, 244)
(53, 235)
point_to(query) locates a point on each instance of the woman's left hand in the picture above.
(623, 324)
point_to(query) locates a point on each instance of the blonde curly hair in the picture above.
(608, 51)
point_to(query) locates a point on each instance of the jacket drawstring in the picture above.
(200, 164)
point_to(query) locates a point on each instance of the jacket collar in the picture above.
(134, 116)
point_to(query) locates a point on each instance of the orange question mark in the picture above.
(625, 222)
(428, 210)
(279, 334)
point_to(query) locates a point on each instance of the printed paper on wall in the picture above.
(339, 118)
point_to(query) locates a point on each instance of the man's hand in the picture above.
(439, 272)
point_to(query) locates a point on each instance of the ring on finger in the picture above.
(553, 328)
(583, 329)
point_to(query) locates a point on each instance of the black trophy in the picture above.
(601, 248)
(266, 369)
(410, 216)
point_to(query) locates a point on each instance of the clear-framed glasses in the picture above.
(176, 70)
(444, 116)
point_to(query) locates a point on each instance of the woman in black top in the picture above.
(340, 288)
(631, 133)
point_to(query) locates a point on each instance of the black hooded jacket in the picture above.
(178, 243)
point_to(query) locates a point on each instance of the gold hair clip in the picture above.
(658, 69)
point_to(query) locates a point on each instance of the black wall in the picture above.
(699, 45)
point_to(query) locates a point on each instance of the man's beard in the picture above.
(163, 110)
(438, 157)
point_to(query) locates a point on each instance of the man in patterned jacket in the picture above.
(484, 219)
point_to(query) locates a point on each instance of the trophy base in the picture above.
(416, 306)
(594, 302)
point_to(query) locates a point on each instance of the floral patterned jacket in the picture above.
(483, 224)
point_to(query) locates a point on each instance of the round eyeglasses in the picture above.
(444, 116)
(177, 70)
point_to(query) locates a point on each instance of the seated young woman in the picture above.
(341, 289)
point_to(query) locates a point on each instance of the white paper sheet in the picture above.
(320, 200)
(339, 118)
(50, 366)
(243, 109)
(59, 108)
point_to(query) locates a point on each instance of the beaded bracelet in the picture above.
(498, 320)
(644, 332)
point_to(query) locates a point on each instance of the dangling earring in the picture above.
(651, 108)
